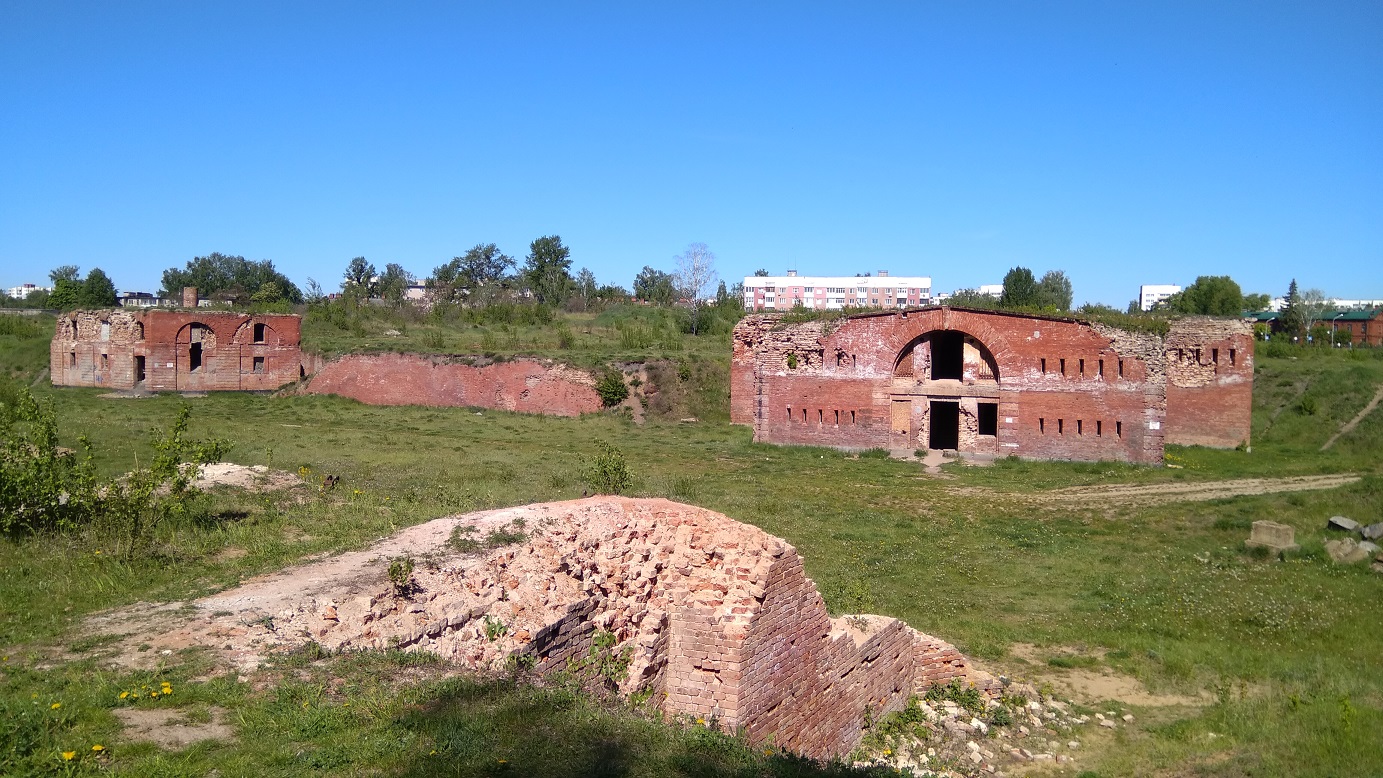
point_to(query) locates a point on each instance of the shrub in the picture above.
(401, 575)
(45, 488)
(608, 473)
(611, 388)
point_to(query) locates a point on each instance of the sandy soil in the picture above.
(1147, 494)
(168, 728)
(255, 478)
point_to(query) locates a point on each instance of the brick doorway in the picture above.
(139, 370)
(944, 427)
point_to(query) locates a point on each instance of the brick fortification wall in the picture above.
(528, 386)
(179, 350)
(1209, 382)
(717, 619)
(987, 382)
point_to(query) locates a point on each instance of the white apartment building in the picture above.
(783, 293)
(24, 290)
(1152, 294)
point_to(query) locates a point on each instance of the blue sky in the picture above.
(1122, 143)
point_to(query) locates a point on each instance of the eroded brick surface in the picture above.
(526, 385)
(195, 350)
(718, 618)
(991, 383)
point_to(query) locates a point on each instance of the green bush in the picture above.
(46, 488)
(608, 473)
(611, 388)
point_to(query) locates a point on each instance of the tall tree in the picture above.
(230, 277)
(1257, 302)
(1054, 291)
(547, 270)
(64, 273)
(394, 282)
(66, 294)
(1209, 296)
(97, 291)
(760, 273)
(654, 286)
(1313, 307)
(1291, 320)
(696, 271)
(586, 288)
(1020, 289)
(484, 264)
(359, 278)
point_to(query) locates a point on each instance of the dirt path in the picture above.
(1186, 492)
(1354, 422)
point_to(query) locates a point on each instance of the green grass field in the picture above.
(1286, 656)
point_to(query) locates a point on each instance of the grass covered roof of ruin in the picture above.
(1157, 324)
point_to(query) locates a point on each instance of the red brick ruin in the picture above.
(714, 619)
(176, 350)
(990, 383)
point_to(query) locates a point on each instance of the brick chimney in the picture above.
(189, 297)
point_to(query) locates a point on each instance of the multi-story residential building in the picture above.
(24, 290)
(783, 293)
(1149, 295)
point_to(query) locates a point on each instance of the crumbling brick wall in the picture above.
(525, 385)
(1064, 389)
(716, 619)
(233, 351)
(1209, 382)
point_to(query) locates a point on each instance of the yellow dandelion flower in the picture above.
(98, 551)
(68, 756)
(134, 696)
(504, 761)
(98, 748)
(123, 695)
(153, 694)
(55, 705)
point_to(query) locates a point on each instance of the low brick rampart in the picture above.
(710, 617)
(529, 386)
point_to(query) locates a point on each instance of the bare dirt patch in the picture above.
(1093, 684)
(1147, 494)
(170, 728)
(254, 478)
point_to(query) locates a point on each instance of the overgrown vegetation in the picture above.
(1282, 653)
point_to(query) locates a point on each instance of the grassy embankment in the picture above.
(1286, 654)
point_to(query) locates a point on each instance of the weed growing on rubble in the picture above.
(401, 575)
(494, 628)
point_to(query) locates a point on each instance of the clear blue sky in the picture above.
(1123, 143)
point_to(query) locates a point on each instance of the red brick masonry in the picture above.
(177, 350)
(529, 386)
(993, 383)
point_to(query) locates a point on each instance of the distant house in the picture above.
(1365, 325)
(141, 300)
(24, 290)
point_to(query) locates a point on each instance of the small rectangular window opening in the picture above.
(804, 415)
(1080, 426)
(1119, 428)
(1099, 428)
(259, 333)
(820, 416)
(1041, 425)
(72, 359)
(789, 413)
(988, 418)
(1231, 357)
(259, 364)
(105, 361)
(852, 417)
(1044, 366)
(1063, 367)
(837, 418)
(1101, 368)
(1061, 426)
(1215, 355)
(1121, 368)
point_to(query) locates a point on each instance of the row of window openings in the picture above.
(1080, 367)
(195, 361)
(821, 416)
(1080, 427)
(1214, 356)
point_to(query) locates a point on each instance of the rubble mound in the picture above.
(704, 615)
(257, 478)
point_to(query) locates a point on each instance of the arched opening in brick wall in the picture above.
(946, 355)
(195, 342)
(945, 393)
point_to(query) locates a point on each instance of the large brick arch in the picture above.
(985, 352)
